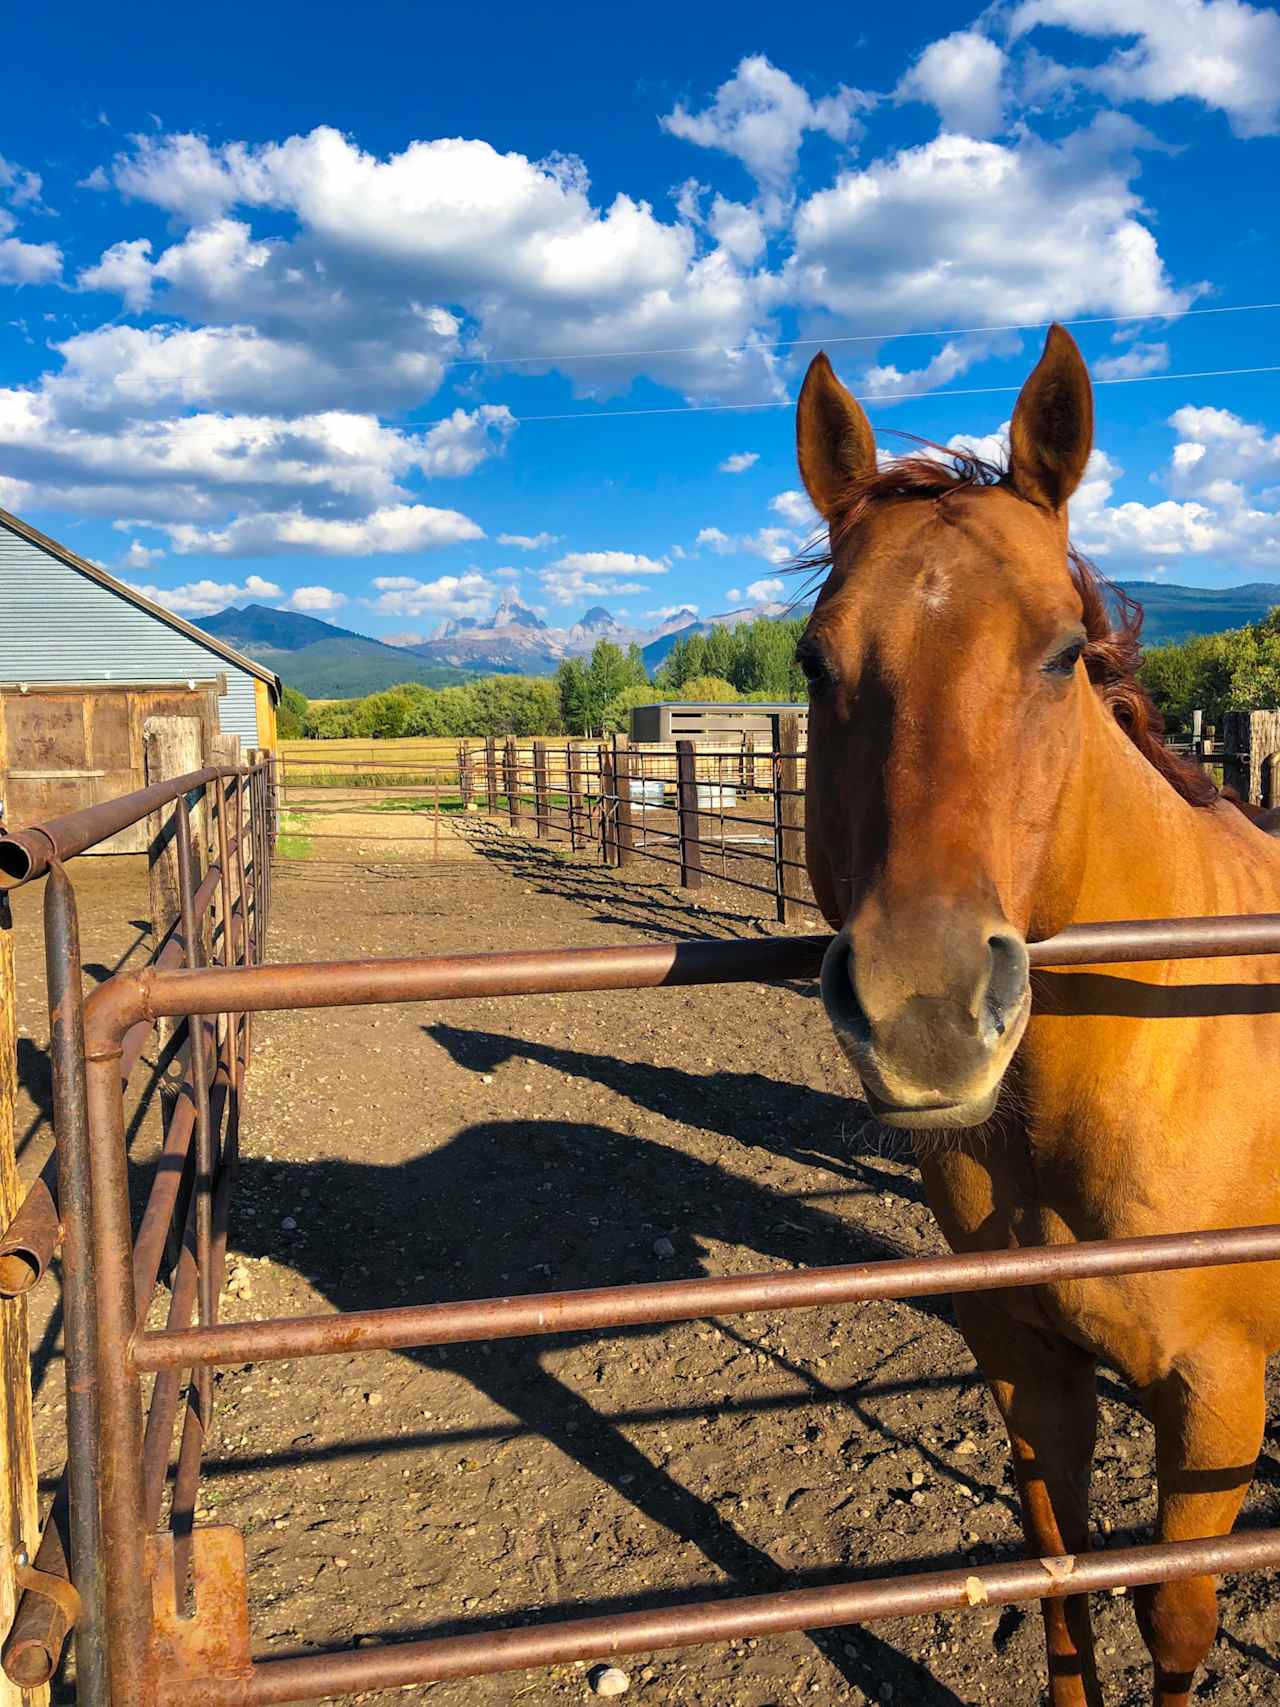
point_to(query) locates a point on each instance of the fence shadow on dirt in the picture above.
(656, 907)
(473, 1242)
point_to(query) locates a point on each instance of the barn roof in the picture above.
(73, 560)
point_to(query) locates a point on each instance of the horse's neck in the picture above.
(1127, 846)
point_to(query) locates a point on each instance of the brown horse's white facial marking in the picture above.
(935, 590)
(946, 698)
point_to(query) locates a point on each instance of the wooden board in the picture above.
(62, 748)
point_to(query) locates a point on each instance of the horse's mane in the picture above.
(1114, 629)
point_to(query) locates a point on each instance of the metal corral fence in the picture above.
(728, 809)
(732, 811)
(137, 1645)
(210, 833)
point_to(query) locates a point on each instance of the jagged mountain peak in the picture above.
(513, 613)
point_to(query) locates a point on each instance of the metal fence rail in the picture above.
(157, 1656)
(215, 826)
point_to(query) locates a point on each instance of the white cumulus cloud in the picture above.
(961, 76)
(1140, 358)
(1223, 53)
(739, 462)
(760, 116)
(597, 575)
(985, 231)
(794, 507)
(449, 595)
(315, 601)
(395, 528)
(529, 541)
(765, 592)
(207, 598)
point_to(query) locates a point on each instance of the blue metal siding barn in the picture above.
(63, 619)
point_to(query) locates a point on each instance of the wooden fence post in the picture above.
(626, 819)
(18, 1510)
(573, 789)
(1271, 781)
(540, 788)
(491, 772)
(749, 761)
(512, 781)
(464, 775)
(687, 809)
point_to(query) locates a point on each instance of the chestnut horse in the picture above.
(983, 770)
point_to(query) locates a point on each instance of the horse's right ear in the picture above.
(834, 441)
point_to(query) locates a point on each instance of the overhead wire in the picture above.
(882, 397)
(858, 337)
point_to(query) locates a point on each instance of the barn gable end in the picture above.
(63, 619)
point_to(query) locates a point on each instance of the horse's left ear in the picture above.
(1052, 430)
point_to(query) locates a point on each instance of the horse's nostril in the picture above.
(839, 996)
(1008, 976)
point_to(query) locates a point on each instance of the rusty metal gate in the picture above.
(136, 1643)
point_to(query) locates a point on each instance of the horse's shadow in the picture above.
(520, 1206)
(754, 1110)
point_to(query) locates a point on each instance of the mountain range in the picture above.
(325, 661)
(328, 662)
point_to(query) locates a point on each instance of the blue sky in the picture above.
(378, 314)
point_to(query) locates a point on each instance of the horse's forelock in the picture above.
(1112, 619)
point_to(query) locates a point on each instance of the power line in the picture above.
(855, 337)
(883, 397)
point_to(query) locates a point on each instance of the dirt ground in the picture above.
(464, 1149)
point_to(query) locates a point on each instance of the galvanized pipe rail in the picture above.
(139, 1588)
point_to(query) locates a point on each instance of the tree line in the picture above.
(586, 696)
(1236, 669)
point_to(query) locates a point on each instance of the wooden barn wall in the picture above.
(63, 749)
(57, 625)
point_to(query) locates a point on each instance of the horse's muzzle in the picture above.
(930, 1049)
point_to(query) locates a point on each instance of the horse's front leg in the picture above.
(1045, 1388)
(1209, 1416)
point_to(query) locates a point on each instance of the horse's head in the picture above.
(948, 701)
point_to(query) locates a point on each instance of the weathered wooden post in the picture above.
(1271, 781)
(540, 789)
(491, 773)
(464, 775)
(573, 791)
(626, 820)
(18, 1512)
(749, 761)
(687, 813)
(1249, 736)
(512, 782)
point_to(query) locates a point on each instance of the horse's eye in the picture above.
(817, 671)
(1064, 662)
